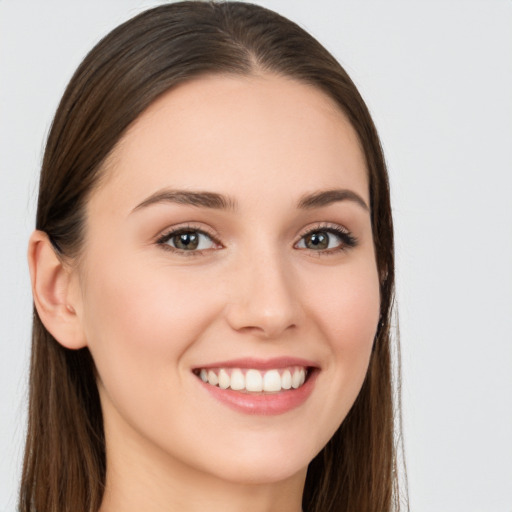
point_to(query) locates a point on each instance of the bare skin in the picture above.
(269, 278)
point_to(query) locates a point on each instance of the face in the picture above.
(229, 290)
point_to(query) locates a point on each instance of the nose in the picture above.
(264, 300)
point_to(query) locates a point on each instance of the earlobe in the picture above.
(53, 289)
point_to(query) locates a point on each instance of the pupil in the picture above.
(187, 241)
(318, 240)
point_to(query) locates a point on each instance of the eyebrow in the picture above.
(217, 201)
(187, 197)
(326, 197)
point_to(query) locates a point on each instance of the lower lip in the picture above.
(266, 404)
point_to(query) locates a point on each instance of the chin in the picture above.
(264, 463)
(261, 473)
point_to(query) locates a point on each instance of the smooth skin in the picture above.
(150, 311)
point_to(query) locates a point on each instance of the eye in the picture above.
(187, 240)
(331, 239)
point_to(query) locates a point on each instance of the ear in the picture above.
(56, 292)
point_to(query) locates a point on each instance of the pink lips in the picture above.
(263, 403)
(261, 364)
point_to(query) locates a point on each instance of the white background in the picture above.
(437, 77)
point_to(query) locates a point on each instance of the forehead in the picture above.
(238, 135)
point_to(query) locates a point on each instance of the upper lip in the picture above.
(260, 364)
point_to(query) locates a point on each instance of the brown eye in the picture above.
(317, 241)
(327, 240)
(189, 240)
(186, 241)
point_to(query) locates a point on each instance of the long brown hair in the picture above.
(64, 466)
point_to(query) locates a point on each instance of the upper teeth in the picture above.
(254, 380)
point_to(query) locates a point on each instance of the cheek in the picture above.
(138, 318)
(141, 322)
(347, 300)
(346, 305)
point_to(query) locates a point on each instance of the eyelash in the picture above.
(348, 241)
(162, 240)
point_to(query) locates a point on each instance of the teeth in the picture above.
(286, 380)
(224, 380)
(255, 381)
(212, 378)
(237, 380)
(296, 378)
(272, 381)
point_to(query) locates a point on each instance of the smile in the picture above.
(251, 380)
(256, 386)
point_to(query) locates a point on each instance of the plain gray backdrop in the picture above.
(437, 77)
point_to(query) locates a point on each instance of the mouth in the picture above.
(252, 380)
(259, 387)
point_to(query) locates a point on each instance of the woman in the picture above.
(213, 274)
